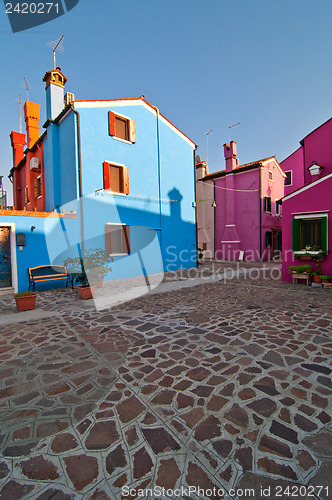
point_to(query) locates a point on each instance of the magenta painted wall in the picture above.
(294, 163)
(314, 199)
(244, 211)
(318, 148)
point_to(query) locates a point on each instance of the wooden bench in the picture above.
(40, 274)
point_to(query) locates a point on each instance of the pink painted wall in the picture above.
(240, 215)
(294, 163)
(315, 199)
(318, 148)
(246, 214)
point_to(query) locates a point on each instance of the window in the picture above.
(270, 175)
(278, 206)
(310, 231)
(117, 239)
(289, 178)
(268, 239)
(116, 178)
(121, 127)
(26, 195)
(267, 204)
(38, 187)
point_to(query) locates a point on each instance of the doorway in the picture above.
(5, 260)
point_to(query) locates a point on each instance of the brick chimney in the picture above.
(55, 84)
(31, 116)
(230, 155)
(17, 141)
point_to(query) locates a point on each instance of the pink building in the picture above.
(307, 204)
(247, 213)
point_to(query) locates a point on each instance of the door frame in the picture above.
(13, 259)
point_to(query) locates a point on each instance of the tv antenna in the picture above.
(207, 146)
(26, 84)
(56, 46)
(229, 128)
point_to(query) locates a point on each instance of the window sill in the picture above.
(308, 252)
(118, 254)
(115, 193)
(122, 140)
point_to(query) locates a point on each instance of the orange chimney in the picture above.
(31, 114)
(17, 141)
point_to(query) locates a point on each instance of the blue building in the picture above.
(128, 174)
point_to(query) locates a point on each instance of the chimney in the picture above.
(55, 84)
(17, 141)
(230, 156)
(31, 116)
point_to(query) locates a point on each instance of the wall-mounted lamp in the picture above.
(33, 228)
(213, 204)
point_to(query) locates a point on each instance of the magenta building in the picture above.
(248, 211)
(307, 205)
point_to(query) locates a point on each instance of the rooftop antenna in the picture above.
(207, 146)
(229, 128)
(20, 100)
(56, 45)
(26, 84)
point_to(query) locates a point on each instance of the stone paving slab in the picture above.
(220, 385)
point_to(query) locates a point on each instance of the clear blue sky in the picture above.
(206, 64)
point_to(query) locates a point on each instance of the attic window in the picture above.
(288, 180)
(270, 175)
(121, 127)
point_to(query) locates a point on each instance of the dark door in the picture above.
(5, 271)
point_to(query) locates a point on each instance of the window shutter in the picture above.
(35, 185)
(106, 176)
(132, 131)
(111, 123)
(296, 235)
(324, 234)
(125, 180)
(265, 204)
(107, 238)
(126, 232)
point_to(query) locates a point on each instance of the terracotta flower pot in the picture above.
(26, 303)
(316, 278)
(85, 292)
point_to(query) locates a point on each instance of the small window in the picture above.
(38, 187)
(310, 232)
(270, 175)
(289, 178)
(116, 178)
(267, 204)
(121, 127)
(278, 206)
(268, 239)
(26, 194)
(117, 239)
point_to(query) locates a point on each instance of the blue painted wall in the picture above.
(37, 252)
(161, 186)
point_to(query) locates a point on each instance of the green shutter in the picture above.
(324, 234)
(296, 235)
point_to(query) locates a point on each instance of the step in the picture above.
(6, 291)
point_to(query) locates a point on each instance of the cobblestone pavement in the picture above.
(224, 386)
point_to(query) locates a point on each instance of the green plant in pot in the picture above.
(316, 275)
(306, 269)
(89, 269)
(325, 278)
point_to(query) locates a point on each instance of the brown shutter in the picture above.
(35, 185)
(106, 175)
(126, 232)
(132, 131)
(125, 180)
(107, 238)
(111, 123)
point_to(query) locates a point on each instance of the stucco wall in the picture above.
(294, 163)
(314, 199)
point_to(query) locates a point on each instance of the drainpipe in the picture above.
(80, 188)
(194, 154)
(260, 212)
(159, 179)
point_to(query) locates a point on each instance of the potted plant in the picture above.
(328, 282)
(308, 248)
(89, 270)
(325, 278)
(25, 301)
(301, 272)
(316, 275)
